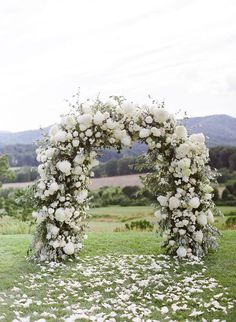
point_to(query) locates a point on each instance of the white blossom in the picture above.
(194, 202)
(64, 167)
(181, 251)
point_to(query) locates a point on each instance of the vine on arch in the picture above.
(180, 179)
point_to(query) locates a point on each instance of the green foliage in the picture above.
(231, 222)
(127, 196)
(5, 172)
(118, 167)
(17, 203)
(140, 225)
(223, 157)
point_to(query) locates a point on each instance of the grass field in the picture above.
(220, 265)
(104, 219)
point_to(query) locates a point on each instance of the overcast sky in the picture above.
(183, 52)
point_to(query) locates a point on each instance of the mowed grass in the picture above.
(220, 265)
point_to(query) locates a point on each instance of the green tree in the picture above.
(5, 172)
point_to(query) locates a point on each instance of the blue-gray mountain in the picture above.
(219, 130)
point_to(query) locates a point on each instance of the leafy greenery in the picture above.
(140, 225)
(5, 172)
(127, 196)
(17, 203)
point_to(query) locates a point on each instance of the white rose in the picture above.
(64, 167)
(194, 202)
(202, 219)
(89, 133)
(174, 203)
(198, 236)
(181, 251)
(163, 201)
(75, 143)
(155, 131)
(69, 248)
(161, 115)
(144, 133)
(60, 214)
(148, 119)
(181, 132)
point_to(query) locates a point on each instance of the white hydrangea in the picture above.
(198, 138)
(60, 214)
(144, 133)
(53, 187)
(163, 201)
(64, 167)
(174, 203)
(126, 140)
(198, 236)
(69, 121)
(85, 119)
(181, 132)
(82, 196)
(60, 136)
(155, 131)
(98, 118)
(194, 202)
(202, 219)
(69, 248)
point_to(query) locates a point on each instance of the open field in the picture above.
(104, 219)
(56, 297)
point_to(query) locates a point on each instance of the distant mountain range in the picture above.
(219, 130)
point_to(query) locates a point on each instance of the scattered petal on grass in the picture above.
(117, 288)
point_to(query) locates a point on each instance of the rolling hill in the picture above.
(219, 130)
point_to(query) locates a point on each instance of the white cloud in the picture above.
(182, 52)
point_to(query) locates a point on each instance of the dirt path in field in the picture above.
(117, 181)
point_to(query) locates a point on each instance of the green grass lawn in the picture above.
(220, 265)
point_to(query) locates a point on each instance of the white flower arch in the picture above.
(180, 178)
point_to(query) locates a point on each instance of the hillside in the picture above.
(220, 130)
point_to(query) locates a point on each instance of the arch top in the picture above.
(180, 179)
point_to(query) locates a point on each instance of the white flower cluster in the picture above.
(68, 155)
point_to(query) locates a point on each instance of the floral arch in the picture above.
(180, 178)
